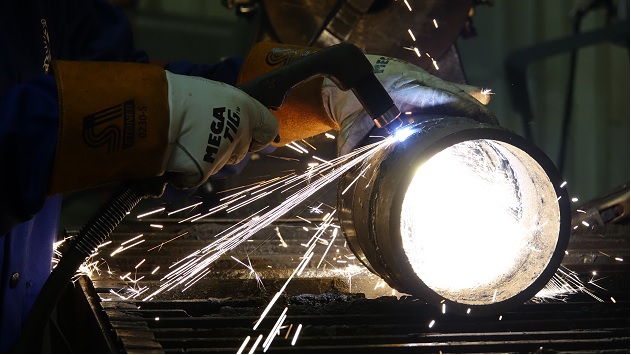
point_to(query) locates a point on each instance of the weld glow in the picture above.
(403, 133)
(468, 224)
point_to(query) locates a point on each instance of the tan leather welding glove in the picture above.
(122, 121)
(413, 90)
(319, 105)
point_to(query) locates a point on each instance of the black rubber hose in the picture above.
(93, 234)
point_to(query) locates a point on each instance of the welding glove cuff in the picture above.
(121, 121)
(413, 90)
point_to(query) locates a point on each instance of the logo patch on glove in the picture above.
(113, 127)
(224, 125)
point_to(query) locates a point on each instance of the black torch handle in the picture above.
(344, 64)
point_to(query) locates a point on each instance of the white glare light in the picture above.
(403, 133)
(479, 222)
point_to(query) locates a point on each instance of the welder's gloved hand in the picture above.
(122, 121)
(212, 124)
(412, 89)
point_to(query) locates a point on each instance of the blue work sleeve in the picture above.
(225, 71)
(94, 31)
(28, 138)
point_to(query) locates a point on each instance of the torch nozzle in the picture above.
(389, 120)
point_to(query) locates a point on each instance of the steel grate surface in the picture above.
(342, 312)
(342, 323)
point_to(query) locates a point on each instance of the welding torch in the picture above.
(346, 66)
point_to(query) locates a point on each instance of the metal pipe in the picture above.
(472, 261)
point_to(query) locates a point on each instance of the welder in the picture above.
(81, 107)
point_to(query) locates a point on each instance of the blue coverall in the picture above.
(32, 34)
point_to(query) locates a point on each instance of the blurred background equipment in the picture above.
(421, 32)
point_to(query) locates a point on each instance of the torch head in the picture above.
(459, 213)
(389, 120)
